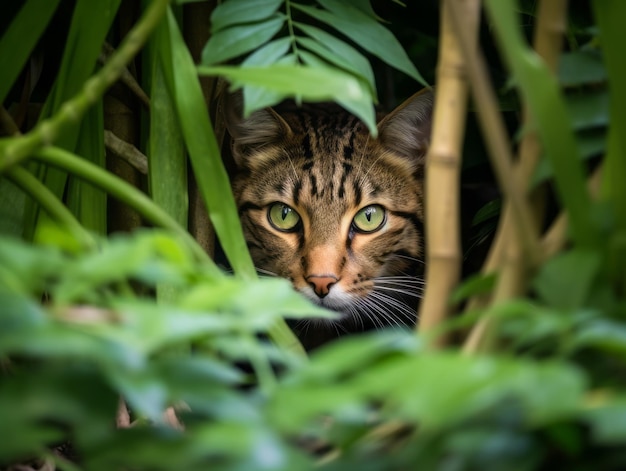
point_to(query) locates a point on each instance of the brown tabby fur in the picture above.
(321, 161)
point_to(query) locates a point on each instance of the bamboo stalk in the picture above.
(496, 138)
(443, 164)
(507, 255)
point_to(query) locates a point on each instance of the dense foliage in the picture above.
(104, 334)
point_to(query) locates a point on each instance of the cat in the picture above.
(333, 210)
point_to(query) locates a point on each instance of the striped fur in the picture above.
(322, 162)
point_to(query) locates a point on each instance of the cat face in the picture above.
(332, 209)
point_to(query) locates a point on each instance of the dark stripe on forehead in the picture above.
(313, 182)
(296, 191)
(306, 146)
(348, 150)
(345, 120)
(358, 194)
(342, 191)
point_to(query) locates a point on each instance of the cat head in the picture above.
(332, 209)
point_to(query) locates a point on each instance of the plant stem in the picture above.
(50, 203)
(14, 150)
(507, 253)
(123, 191)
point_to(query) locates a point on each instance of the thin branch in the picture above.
(125, 151)
(126, 77)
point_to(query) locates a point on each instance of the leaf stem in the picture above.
(123, 191)
(50, 203)
(292, 34)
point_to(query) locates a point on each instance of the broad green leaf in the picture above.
(608, 14)
(356, 107)
(436, 390)
(582, 67)
(20, 38)
(233, 12)
(272, 53)
(331, 58)
(566, 280)
(608, 420)
(12, 203)
(350, 58)
(25, 270)
(237, 40)
(268, 54)
(87, 202)
(90, 23)
(589, 109)
(259, 97)
(474, 285)
(167, 159)
(312, 84)
(204, 152)
(591, 143)
(366, 7)
(364, 31)
(602, 334)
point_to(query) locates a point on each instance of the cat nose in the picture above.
(321, 284)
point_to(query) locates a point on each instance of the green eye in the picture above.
(283, 217)
(369, 219)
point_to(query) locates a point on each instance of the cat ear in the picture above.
(406, 130)
(261, 128)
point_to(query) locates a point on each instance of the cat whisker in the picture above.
(408, 257)
(403, 309)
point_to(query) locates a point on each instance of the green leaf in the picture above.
(269, 53)
(602, 334)
(312, 84)
(20, 38)
(608, 421)
(233, 12)
(589, 109)
(474, 285)
(608, 14)
(341, 54)
(237, 40)
(540, 91)
(91, 21)
(364, 31)
(565, 281)
(272, 53)
(581, 67)
(436, 390)
(204, 152)
(87, 202)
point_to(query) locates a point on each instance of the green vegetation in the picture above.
(113, 314)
